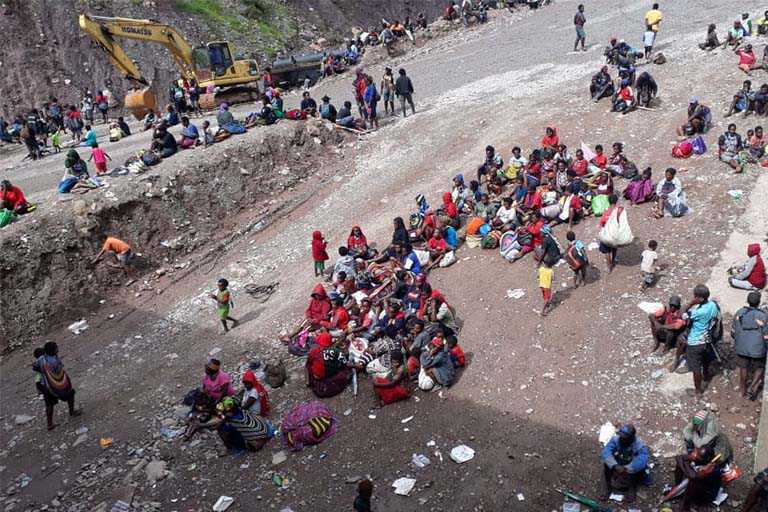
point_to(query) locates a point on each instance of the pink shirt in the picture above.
(212, 387)
(99, 156)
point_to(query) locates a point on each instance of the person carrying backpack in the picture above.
(705, 329)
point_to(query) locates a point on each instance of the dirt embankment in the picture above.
(191, 202)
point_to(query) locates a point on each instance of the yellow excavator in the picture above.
(210, 64)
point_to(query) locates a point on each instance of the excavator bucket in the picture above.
(140, 102)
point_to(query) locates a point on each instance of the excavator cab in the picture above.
(212, 61)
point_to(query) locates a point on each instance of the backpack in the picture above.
(682, 149)
(714, 332)
(698, 145)
(574, 259)
(275, 374)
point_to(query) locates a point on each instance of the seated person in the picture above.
(670, 196)
(667, 324)
(550, 139)
(436, 365)
(550, 205)
(735, 35)
(516, 164)
(711, 42)
(327, 110)
(12, 198)
(346, 119)
(729, 146)
(751, 274)
(255, 398)
(641, 189)
(506, 215)
(149, 120)
(704, 431)
(164, 143)
(327, 371)
(601, 85)
(756, 144)
(747, 59)
(742, 100)
(115, 133)
(190, 137)
(345, 263)
(531, 203)
(493, 162)
(484, 209)
(319, 308)
(357, 244)
(227, 122)
(240, 430)
(394, 387)
(123, 126)
(76, 176)
(625, 98)
(339, 319)
(308, 105)
(171, 117)
(571, 207)
(625, 463)
(277, 103)
(704, 473)
(529, 237)
(580, 165)
(437, 248)
(699, 119)
(646, 89)
(217, 383)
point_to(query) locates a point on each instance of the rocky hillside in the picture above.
(45, 52)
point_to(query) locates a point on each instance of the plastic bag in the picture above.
(616, 231)
(425, 381)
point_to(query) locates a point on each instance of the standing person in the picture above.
(359, 85)
(404, 91)
(388, 91)
(99, 157)
(86, 106)
(55, 384)
(224, 301)
(652, 24)
(363, 500)
(193, 91)
(749, 331)
(648, 265)
(371, 98)
(610, 252)
(578, 21)
(701, 313)
(319, 253)
(576, 257)
(102, 103)
(545, 283)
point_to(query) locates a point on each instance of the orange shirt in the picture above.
(116, 245)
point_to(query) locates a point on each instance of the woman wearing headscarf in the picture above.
(255, 398)
(449, 207)
(400, 236)
(751, 274)
(319, 306)
(241, 431)
(357, 244)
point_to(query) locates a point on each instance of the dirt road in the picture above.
(535, 392)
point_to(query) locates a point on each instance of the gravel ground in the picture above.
(535, 392)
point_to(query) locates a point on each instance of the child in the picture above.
(455, 352)
(363, 499)
(577, 259)
(649, 37)
(56, 141)
(319, 254)
(224, 301)
(648, 265)
(545, 283)
(207, 134)
(99, 157)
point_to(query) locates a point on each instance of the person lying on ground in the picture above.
(743, 100)
(699, 119)
(240, 430)
(704, 473)
(190, 136)
(729, 146)
(711, 42)
(12, 198)
(751, 274)
(749, 331)
(54, 382)
(625, 463)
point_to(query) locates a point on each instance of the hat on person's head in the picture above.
(249, 377)
(699, 418)
(675, 301)
(693, 100)
(420, 198)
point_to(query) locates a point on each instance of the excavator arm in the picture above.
(104, 31)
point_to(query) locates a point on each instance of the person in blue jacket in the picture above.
(625, 463)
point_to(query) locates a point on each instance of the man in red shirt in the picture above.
(12, 198)
(667, 324)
